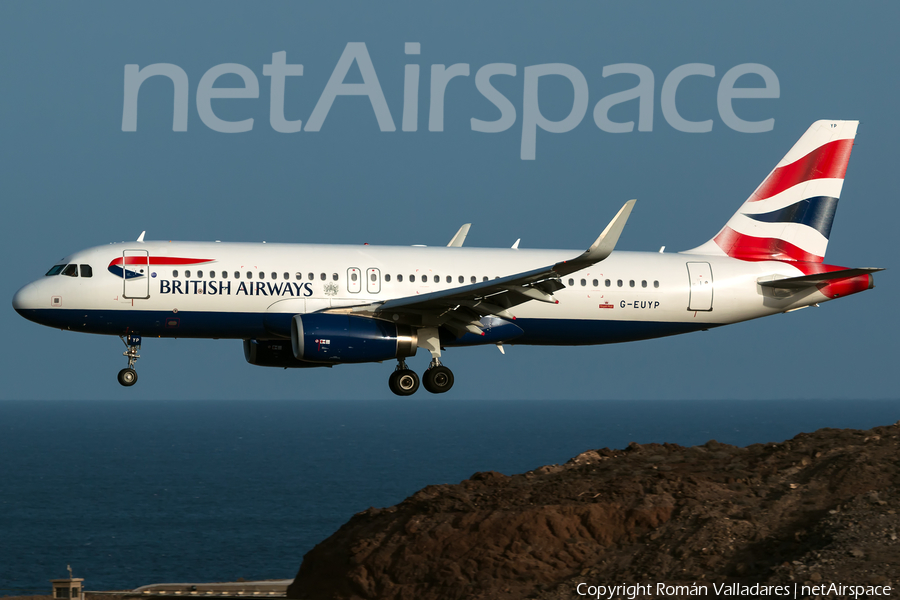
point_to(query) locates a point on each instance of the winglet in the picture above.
(460, 236)
(141, 237)
(602, 247)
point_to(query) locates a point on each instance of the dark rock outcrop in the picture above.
(817, 508)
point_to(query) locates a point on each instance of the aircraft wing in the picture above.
(461, 308)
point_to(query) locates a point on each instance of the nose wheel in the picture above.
(128, 376)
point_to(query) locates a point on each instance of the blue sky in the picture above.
(71, 178)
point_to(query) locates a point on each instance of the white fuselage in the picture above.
(630, 295)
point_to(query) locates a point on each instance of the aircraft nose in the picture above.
(25, 299)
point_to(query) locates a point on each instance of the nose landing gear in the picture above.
(128, 376)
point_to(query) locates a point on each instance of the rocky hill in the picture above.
(820, 508)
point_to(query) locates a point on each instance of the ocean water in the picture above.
(133, 493)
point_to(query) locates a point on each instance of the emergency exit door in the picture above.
(700, 274)
(373, 280)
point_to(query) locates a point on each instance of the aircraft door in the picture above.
(373, 280)
(354, 280)
(700, 275)
(136, 274)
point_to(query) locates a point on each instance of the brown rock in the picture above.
(762, 514)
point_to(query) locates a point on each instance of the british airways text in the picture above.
(245, 288)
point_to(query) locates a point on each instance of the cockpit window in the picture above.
(56, 270)
(86, 270)
(71, 270)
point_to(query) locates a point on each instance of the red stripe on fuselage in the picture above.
(828, 161)
(160, 260)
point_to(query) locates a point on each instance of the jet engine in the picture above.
(274, 353)
(333, 339)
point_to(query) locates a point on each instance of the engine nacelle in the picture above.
(333, 339)
(274, 353)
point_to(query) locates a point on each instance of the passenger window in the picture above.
(437, 278)
(619, 282)
(322, 276)
(262, 275)
(473, 279)
(400, 278)
(71, 270)
(608, 283)
(199, 273)
(298, 276)
(212, 274)
(462, 279)
(656, 284)
(449, 279)
(353, 277)
(424, 278)
(287, 276)
(237, 274)
(644, 283)
(86, 271)
(412, 278)
(631, 283)
(249, 274)
(373, 277)
(187, 273)
(275, 275)
(596, 283)
(484, 278)
(571, 281)
(311, 276)
(583, 283)
(175, 273)
(335, 277)
(56, 270)
(224, 274)
(387, 276)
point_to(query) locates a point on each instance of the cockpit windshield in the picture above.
(71, 270)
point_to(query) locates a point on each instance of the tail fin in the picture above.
(789, 216)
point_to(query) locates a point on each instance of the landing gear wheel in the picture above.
(404, 382)
(437, 380)
(127, 377)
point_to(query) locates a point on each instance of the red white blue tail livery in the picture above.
(789, 216)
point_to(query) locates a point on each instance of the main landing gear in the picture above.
(437, 379)
(403, 381)
(128, 376)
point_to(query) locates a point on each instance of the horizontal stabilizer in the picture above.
(793, 283)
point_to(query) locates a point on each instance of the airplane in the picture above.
(316, 305)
